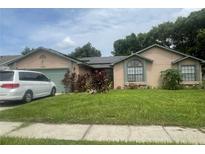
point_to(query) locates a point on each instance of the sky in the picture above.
(66, 29)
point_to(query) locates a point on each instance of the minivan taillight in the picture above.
(10, 85)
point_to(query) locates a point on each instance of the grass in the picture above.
(140, 107)
(27, 141)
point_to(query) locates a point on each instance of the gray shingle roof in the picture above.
(102, 60)
(7, 58)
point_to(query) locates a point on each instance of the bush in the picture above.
(203, 84)
(69, 81)
(82, 81)
(171, 79)
(99, 81)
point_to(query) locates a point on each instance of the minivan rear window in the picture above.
(6, 75)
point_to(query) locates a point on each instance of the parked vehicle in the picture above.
(24, 85)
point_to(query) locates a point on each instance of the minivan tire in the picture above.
(53, 91)
(28, 97)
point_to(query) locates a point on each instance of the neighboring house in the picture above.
(141, 68)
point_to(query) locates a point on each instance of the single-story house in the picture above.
(142, 68)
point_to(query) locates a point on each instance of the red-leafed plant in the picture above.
(99, 81)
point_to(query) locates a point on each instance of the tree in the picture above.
(86, 51)
(26, 50)
(186, 35)
(200, 45)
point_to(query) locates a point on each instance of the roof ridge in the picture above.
(169, 49)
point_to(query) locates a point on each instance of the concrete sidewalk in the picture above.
(104, 132)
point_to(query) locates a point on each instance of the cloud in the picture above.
(65, 29)
(185, 12)
(66, 43)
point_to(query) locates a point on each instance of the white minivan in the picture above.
(24, 85)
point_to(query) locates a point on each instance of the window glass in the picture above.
(42, 77)
(6, 75)
(188, 73)
(135, 71)
(31, 76)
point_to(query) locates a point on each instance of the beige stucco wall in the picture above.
(45, 60)
(162, 60)
(118, 75)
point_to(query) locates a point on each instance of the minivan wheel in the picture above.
(53, 91)
(28, 97)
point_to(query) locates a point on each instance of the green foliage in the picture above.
(26, 50)
(86, 51)
(203, 84)
(171, 79)
(186, 35)
(136, 86)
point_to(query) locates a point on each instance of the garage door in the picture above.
(56, 75)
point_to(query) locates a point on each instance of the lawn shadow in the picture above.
(10, 103)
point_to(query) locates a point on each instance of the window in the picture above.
(30, 76)
(27, 76)
(135, 71)
(42, 77)
(6, 76)
(188, 73)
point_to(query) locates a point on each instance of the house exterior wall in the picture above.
(118, 75)
(162, 60)
(45, 60)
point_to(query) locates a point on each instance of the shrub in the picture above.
(69, 81)
(193, 86)
(203, 84)
(99, 81)
(171, 79)
(119, 87)
(136, 86)
(82, 82)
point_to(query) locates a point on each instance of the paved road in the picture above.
(104, 132)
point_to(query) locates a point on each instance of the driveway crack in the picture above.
(168, 134)
(86, 132)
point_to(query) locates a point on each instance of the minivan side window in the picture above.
(26, 76)
(42, 77)
(30, 76)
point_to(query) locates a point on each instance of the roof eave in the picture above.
(169, 49)
(149, 60)
(45, 49)
(184, 58)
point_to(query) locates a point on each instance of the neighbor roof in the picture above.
(44, 49)
(7, 58)
(171, 50)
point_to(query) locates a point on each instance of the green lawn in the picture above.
(27, 141)
(141, 107)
